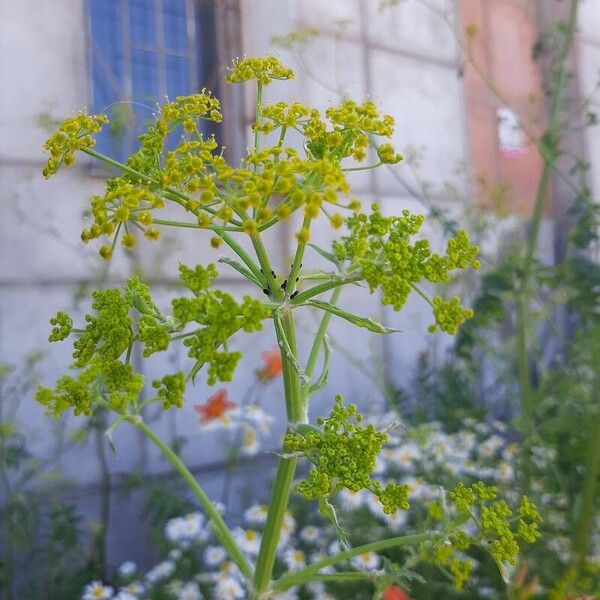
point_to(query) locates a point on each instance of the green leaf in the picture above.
(326, 255)
(242, 270)
(354, 319)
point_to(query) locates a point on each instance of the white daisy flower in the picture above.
(287, 530)
(186, 529)
(135, 588)
(334, 548)
(310, 534)
(369, 561)
(124, 596)
(214, 555)
(289, 523)
(160, 571)
(127, 569)
(250, 445)
(374, 505)
(506, 471)
(190, 591)
(227, 420)
(397, 521)
(407, 454)
(256, 515)
(489, 448)
(97, 591)
(229, 588)
(380, 465)
(294, 559)
(351, 501)
(248, 540)
(417, 488)
(256, 415)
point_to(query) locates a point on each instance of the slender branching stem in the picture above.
(222, 532)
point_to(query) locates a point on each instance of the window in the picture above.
(141, 52)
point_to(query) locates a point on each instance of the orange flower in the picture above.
(272, 366)
(395, 593)
(215, 407)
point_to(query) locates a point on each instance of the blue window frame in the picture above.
(142, 52)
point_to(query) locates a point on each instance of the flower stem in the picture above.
(220, 528)
(308, 573)
(325, 287)
(316, 347)
(286, 467)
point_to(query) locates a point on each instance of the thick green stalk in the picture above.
(220, 528)
(286, 467)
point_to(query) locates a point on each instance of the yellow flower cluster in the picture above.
(264, 70)
(73, 135)
(267, 187)
(123, 203)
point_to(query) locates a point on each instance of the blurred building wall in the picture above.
(404, 55)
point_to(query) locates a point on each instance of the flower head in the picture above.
(272, 365)
(247, 539)
(127, 569)
(215, 407)
(256, 515)
(369, 561)
(97, 591)
(294, 559)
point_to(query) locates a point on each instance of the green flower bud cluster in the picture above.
(449, 315)
(449, 552)
(108, 333)
(343, 452)
(264, 70)
(495, 519)
(123, 385)
(74, 134)
(68, 393)
(155, 336)
(380, 248)
(63, 325)
(220, 316)
(171, 389)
